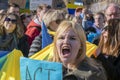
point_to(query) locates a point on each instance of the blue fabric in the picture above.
(3, 57)
(91, 36)
(2, 60)
(2, 53)
(81, 15)
(71, 11)
(46, 39)
(87, 24)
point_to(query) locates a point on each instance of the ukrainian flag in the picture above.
(10, 66)
(46, 38)
(72, 7)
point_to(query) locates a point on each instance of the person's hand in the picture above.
(98, 52)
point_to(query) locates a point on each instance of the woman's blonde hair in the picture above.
(64, 26)
(53, 15)
(112, 45)
(19, 27)
(2, 17)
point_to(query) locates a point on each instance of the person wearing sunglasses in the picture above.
(12, 35)
(34, 27)
(108, 51)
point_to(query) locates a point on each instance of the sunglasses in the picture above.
(12, 20)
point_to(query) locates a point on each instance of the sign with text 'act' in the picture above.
(39, 70)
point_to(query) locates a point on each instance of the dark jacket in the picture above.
(23, 46)
(9, 42)
(87, 70)
(36, 45)
(111, 65)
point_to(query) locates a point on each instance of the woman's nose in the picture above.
(66, 40)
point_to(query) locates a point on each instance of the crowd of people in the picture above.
(69, 34)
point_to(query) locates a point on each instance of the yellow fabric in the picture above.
(47, 52)
(51, 32)
(91, 49)
(11, 68)
(73, 6)
(44, 54)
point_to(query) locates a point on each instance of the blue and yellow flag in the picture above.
(3, 57)
(44, 54)
(3, 53)
(46, 39)
(11, 68)
(2, 61)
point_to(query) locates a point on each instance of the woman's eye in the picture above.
(61, 37)
(72, 38)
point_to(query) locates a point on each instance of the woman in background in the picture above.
(12, 34)
(52, 19)
(109, 49)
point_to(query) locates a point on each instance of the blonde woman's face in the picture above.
(68, 46)
(53, 26)
(10, 23)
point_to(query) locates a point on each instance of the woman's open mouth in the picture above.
(66, 51)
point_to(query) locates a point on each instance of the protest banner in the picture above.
(97, 7)
(34, 3)
(40, 70)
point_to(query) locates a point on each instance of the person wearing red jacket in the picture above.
(34, 27)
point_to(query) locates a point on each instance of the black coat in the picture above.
(10, 42)
(88, 69)
(111, 65)
(23, 45)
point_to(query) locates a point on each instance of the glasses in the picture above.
(12, 20)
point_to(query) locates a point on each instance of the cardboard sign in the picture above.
(34, 3)
(40, 70)
(100, 6)
(21, 3)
